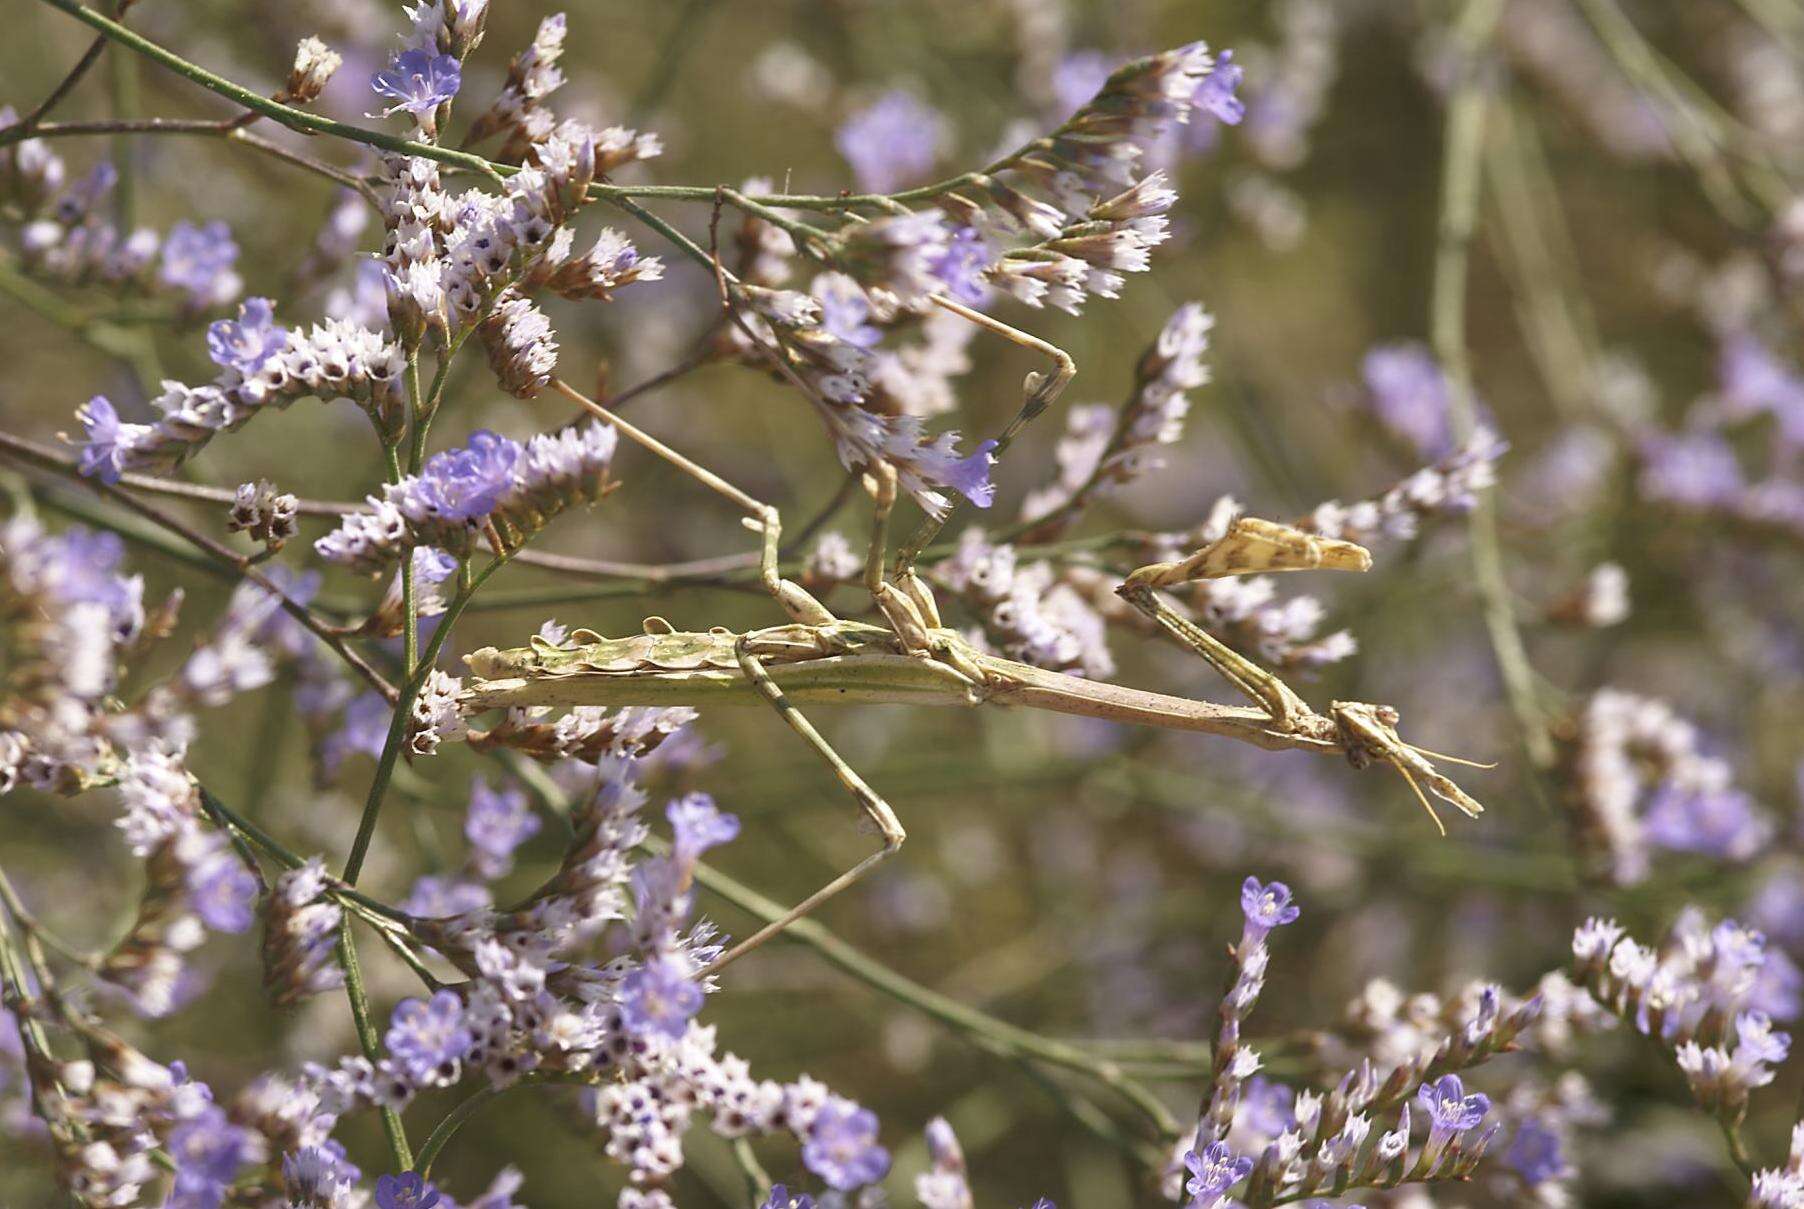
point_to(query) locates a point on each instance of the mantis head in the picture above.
(1369, 732)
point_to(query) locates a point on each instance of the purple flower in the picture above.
(318, 1175)
(440, 898)
(463, 484)
(1267, 1106)
(699, 825)
(970, 476)
(845, 310)
(248, 341)
(1696, 470)
(1212, 1173)
(498, 821)
(109, 442)
(223, 893)
(418, 81)
(363, 730)
(1215, 94)
(780, 1199)
(198, 261)
(1409, 395)
(1079, 76)
(660, 997)
(1450, 1110)
(207, 1150)
(842, 1146)
(405, 1191)
(1754, 381)
(1537, 1153)
(892, 142)
(961, 266)
(1716, 822)
(428, 1039)
(1778, 987)
(1265, 907)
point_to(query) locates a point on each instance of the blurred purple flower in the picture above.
(223, 893)
(893, 142)
(318, 1175)
(1537, 1153)
(1215, 95)
(961, 266)
(207, 1150)
(442, 897)
(428, 1038)
(842, 1146)
(108, 441)
(1696, 470)
(497, 822)
(699, 825)
(970, 476)
(1079, 76)
(248, 341)
(1755, 381)
(661, 997)
(1716, 822)
(1212, 1173)
(199, 260)
(845, 310)
(1409, 395)
(405, 1191)
(417, 81)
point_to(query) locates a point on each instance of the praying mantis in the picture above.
(914, 658)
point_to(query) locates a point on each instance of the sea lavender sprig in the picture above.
(1705, 997)
(493, 488)
(836, 373)
(1106, 448)
(1642, 779)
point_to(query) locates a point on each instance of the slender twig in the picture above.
(1462, 144)
(370, 1041)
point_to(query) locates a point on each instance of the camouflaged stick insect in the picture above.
(917, 660)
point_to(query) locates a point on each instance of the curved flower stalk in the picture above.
(1641, 780)
(1708, 996)
(1303, 1144)
(836, 373)
(493, 488)
(1103, 450)
(262, 365)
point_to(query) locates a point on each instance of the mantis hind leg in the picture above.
(874, 808)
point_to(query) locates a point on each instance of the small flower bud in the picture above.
(314, 63)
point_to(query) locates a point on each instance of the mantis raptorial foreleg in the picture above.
(869, 801)
(1263, 687)
(796, 600)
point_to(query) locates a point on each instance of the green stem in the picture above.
(397, 727)
(450, 1124)
(369, 1041)
(1461, 160)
